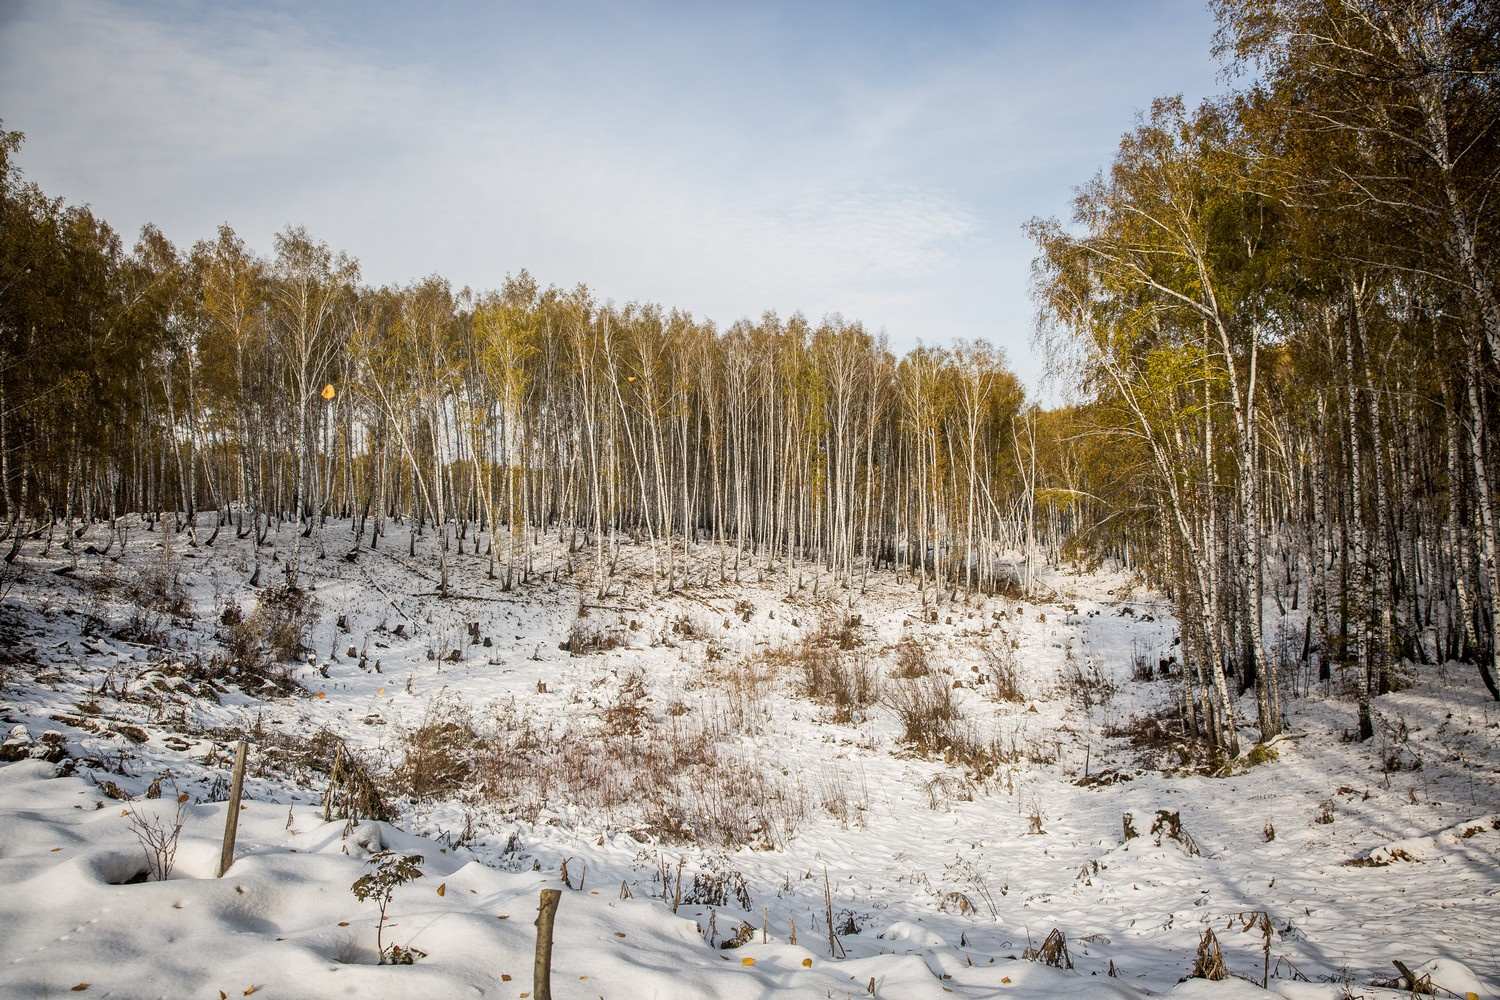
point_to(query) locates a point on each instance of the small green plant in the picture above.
(391, 871)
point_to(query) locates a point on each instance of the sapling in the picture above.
(158, 837)
(391, 871)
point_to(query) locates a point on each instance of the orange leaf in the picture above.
(1006, 979)
(807, 963)
(747, 961)
(343, 923)
(250, 990)
(380, 690)
(124, 812)
(505, 977)
(443, 889)
(182, 798)
(503, 916)
(322, 695)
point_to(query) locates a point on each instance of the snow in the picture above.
(1406, 869)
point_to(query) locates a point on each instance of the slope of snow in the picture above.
(939, 878)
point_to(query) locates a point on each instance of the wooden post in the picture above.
(232, 819)
(541, 975)
(828, 904)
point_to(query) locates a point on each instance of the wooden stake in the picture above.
(541, 974)
(828, 905)
(232, 819)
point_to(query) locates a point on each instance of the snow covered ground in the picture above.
(685, 732)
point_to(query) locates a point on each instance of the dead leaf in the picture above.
(443, 889)
(807, 963)
(505, 977)
(250, 989)
(1006, 979)
(343, 923)
(56, 849)
(80, 987)
(747, 962)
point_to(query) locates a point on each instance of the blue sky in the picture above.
(869, 158)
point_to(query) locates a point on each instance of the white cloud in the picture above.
(649, 160)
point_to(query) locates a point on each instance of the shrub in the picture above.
(353, 790)
(911, 660)
(158, 836)
(1142, 663)
(717, 883)
(842, 632)
(1000, 660)
(283, 617)
(391, 872)
(258, 645)
(842, 683)
(1160, 738)
(927, 712)
(627, 713)
(158, 587)
(441, 754)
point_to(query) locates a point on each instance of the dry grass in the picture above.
(439, 756)
(1053, 952)
(1000, 661)
(1161, 740)
(911, 660)
(583, 640)
(927, 712)
(259, 645)
(679, 780)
